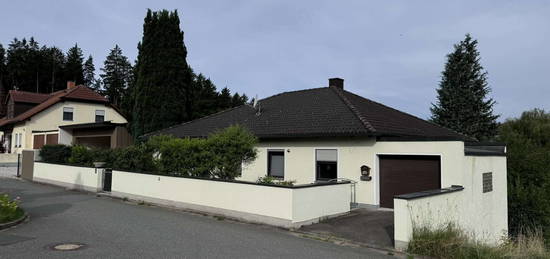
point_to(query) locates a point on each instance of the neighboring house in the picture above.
(76, 115)
(328, 133)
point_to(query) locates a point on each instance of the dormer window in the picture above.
(99, 115)
(67, 113)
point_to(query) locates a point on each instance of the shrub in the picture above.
(132, 158)
(230, 149)
(272, 180)
(81, 155)
(266, 180)
(186, 157)
(528, 155)
(9, 209)
(55, 153)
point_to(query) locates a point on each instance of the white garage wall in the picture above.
(483, 216)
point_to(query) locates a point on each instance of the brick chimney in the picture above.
(336, 82)
(70, 84)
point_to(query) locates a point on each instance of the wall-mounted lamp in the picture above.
(365, 173)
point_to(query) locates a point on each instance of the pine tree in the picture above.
(89, 73)
(462, 102)
(164, 78)
(224, 99)
(54, 65)
(74, 70)
(117, 75)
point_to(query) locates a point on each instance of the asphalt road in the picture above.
(111, 228)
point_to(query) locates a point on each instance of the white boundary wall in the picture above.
(278, 206)
(284, 207)
(483, 216)
(73, 177)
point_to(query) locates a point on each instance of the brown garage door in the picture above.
(51, 139)
(38, 141)
(407, 174)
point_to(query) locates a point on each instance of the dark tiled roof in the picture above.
(319, 112)
(78, 93)
(28, 97)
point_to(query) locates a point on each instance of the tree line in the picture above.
(159, 90)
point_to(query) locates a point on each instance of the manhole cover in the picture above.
(67, 246)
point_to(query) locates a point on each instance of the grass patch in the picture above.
(451, 242)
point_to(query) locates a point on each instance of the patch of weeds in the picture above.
(141, 203)
(220, 218)
(451, 242)
(125, 199)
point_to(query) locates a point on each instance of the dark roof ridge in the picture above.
(353, 109)
(195, 120)
(407, 114)
(289, 92)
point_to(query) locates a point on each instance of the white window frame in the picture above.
(96, 114)
(63, 114)
(315, 161)
(267, 173)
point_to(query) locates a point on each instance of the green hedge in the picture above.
(218, 156)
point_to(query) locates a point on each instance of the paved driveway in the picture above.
(366, 226)
(116, 229)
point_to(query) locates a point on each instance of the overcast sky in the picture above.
(389, 51)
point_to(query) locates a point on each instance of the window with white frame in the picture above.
(326, 163)
(17, 142)
(276, 163)
(68, 113)
(99, 115)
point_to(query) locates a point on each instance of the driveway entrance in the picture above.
(373, 227)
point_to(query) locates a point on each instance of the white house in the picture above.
(76, 115)
(328, 133)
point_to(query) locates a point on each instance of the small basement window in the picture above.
(326, 163)
(276, 163)
(67, 113)
(99, 115)
(487, 182)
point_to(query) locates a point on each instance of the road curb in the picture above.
(15, 222)
(346, 242)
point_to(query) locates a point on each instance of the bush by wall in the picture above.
(55, 153)
(218, 156)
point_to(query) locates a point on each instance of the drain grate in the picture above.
(67, 246)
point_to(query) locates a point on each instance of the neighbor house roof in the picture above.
(27, 97)
(319, 112)
(77, 93)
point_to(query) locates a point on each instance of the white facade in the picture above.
(484, 215)
(352, 153)
(49, 120)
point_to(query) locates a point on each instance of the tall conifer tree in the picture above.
(163, 75)
(117, 75)
(89, 73)
(3, 89)
(74, 70)
(462, 103)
